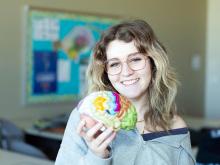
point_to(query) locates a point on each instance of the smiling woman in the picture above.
(135, 74)
(130, 60)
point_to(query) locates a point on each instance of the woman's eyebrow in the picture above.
(133, 53)
(115, 58)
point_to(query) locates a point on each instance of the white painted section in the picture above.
(212, 96)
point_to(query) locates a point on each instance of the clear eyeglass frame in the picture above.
(135, 61)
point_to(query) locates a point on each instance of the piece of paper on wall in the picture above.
(63, 71)
(83, 87)
(46, 29)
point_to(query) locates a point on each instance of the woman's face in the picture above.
(132, 84)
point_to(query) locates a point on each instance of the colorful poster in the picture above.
(58, 48)
(44, 72)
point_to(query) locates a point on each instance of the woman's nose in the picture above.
(126, 70)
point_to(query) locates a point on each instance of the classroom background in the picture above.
(189, 29)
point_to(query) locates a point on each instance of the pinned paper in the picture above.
(46, 29)
(64, 71)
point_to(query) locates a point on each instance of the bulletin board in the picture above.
(58, 46)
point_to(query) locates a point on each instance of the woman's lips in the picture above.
(129, 82)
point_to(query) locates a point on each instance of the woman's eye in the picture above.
(115, 64)
(135, 59)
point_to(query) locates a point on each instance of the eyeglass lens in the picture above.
(134, 62)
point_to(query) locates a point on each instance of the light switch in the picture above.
(196, 62)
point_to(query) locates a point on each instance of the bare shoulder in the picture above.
(178, 122)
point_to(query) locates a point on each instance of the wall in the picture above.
(213, 61)
(180, 25)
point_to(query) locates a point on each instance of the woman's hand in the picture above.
(96, 140)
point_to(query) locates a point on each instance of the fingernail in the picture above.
(103, 128)
(83, 122)
(100, 123)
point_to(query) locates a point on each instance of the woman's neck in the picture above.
(141, 106)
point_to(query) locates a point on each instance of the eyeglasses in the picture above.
(136, 61)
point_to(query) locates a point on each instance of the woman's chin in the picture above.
(131, 95)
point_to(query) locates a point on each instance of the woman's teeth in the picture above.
(130, 82)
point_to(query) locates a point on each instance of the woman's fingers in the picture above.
(80, 128)
(104, 135)
(106, 142)
(92, 131)
(99, 142)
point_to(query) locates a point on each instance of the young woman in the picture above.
(130, 60)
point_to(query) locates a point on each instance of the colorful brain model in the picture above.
(110, 108)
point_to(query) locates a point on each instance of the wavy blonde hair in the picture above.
(163, 86)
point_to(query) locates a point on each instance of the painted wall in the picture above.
(180, 25)
(212, 106)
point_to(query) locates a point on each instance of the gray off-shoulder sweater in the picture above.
(128, 148)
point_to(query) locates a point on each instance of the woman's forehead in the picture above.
(120, 49)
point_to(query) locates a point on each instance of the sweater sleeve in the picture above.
(186, 156)
(73, 149)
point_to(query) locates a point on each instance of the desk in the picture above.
(48, 142)
(199, 122)
(44, 134)
(11, 158)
